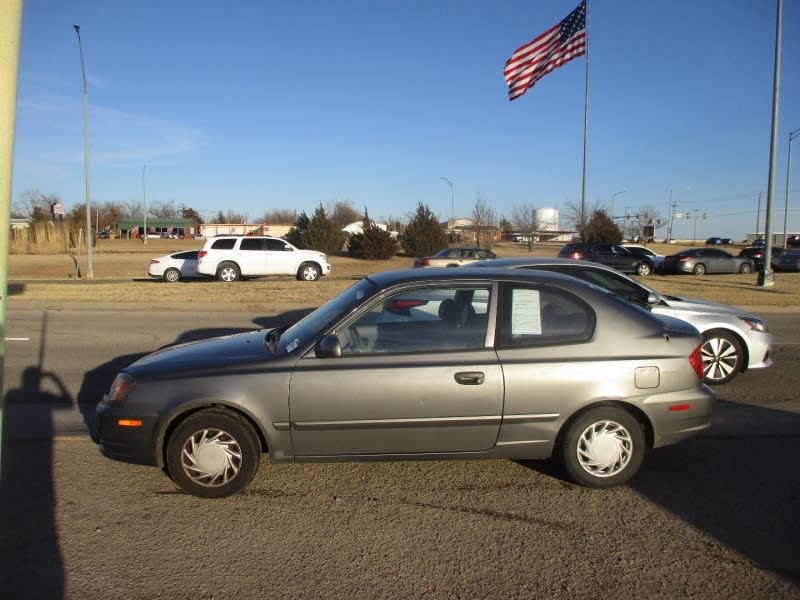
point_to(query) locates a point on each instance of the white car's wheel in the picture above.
(603, 447)
(172, 275)
(228, 272)
(644, 269)
(308, 272)
(722, 357)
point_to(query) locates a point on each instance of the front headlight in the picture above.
(123, 383)
(755, 324)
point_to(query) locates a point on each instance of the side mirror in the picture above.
(328, 347)
(288, 248)
(653, 298)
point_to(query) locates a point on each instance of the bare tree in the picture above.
(342, 213)
(33, 204)
(163, 210)
(484, 218)
(132, 208)
(524, 219)
(279, 216)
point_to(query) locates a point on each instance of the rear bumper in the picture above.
(679, 415)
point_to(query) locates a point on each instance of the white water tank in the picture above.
(546, 219)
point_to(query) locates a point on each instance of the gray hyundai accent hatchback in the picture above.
(419, 364)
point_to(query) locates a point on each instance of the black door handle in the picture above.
(470, 377)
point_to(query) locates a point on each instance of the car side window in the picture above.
(224, 244)
(541, 316)
(250, 244)
(423, 320)
(275, 245)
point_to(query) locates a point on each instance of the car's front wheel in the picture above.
(228, 272)
(746, 268)
(213, 453)
(722, 357)
(308, 272)
(644, 269)
(172, 275)
(603, 447)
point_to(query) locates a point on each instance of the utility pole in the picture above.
(89, 236)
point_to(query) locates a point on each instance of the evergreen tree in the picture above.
(373, 243)
(600, 228)
(423, 235)
(322, 233)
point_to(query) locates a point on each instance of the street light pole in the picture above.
(792, 135)
(612, 202)
(452, 201)
(144, 200)
(89, 237)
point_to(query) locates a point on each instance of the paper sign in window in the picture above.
(526, 313)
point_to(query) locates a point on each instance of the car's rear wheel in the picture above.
(644, 269)
(722, 357)
(699, 269)
(228, 271)
(308, 272)
(746, 268)
(172, 275)
(603, 447)
(213, 453)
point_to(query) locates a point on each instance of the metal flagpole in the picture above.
(585, 128)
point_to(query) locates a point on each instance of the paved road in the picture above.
(713, 517)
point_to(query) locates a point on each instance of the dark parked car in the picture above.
(793, 241)
(714, 241)
(612, 255)
(419, 364)
(700, 261)
(789, 262)
(756, 254)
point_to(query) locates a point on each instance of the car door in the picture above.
(719, 261)
(416, 375)
(279, 257)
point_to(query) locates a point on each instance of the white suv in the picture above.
(231, 257)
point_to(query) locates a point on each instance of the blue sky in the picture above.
(254, 106)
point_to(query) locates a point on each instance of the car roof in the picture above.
(484, 271)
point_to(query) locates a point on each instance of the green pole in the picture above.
(10, 27)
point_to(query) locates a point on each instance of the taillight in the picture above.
(577, 255)
(153, 261)
(696, 360)
(426, 262)
(684, 258)
(202, 253)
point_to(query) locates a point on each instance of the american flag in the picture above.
(555, 47)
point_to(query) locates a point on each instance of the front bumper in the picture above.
(124, 442)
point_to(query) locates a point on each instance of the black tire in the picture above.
(228, 272)
(602, 447)
(699, 269)
(643, 269)
(722, 356)
(746, 268)
(213, 454)
(172, 275)
(308, 271)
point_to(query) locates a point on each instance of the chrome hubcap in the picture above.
(228, 274)
(604, 449)
(309, 274)
(211, 458)
(719, 358)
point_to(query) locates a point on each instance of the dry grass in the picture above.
(120, 275)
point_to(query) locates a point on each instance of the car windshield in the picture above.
(309, 327)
